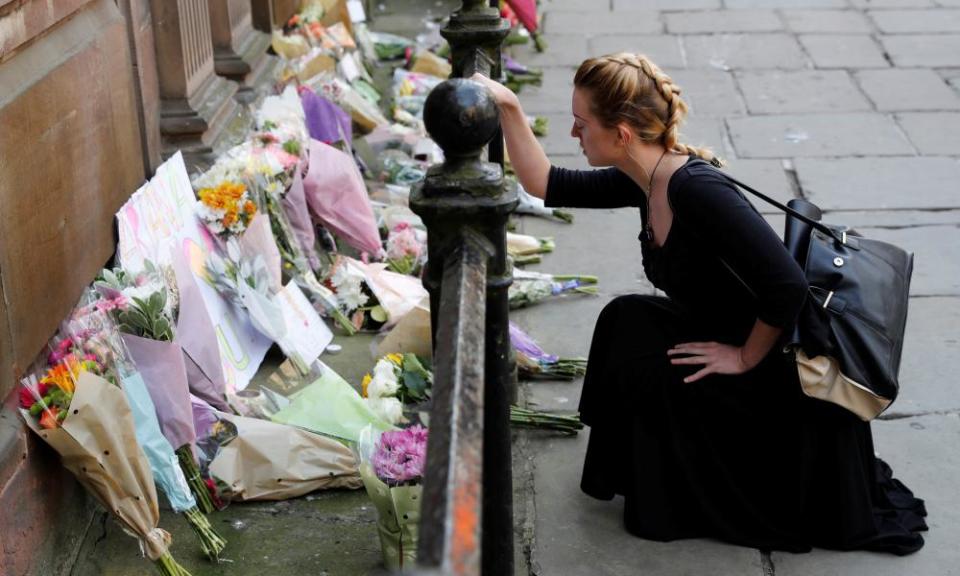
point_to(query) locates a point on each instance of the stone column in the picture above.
(195, 104)
(140, 35)
(239, 51)
(283, 10)
(262, 13)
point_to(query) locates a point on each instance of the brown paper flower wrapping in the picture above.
(98, 444)
(270, 461)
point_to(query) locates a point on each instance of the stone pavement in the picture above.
(852, 104)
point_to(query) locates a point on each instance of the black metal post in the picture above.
(466, 193)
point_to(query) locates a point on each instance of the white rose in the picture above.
(392, 410)
(386, 370)
(380, 387)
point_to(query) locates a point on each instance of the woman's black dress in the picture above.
(747, 458)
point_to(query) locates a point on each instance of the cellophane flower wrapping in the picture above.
(392, 466)
(330, 406)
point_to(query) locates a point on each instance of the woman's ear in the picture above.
(624, 135)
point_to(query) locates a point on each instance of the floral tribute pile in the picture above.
(147, 383)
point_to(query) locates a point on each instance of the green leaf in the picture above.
(415, 386)
(378, 314)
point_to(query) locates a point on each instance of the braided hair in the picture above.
(630, 88)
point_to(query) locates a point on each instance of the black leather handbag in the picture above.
(849, 337)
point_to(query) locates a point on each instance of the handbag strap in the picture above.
(818, 225)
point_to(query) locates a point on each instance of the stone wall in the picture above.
(70, 155)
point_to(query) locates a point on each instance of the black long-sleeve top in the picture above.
(721, 261)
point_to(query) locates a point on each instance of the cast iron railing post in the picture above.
(476, 33)
(462, 198)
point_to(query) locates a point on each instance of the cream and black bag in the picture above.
(849, 336)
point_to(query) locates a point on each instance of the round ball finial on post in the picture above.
(461, 117)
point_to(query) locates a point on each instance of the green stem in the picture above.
(581, 277)
(167, 566)
(563, 215)
(194, 480)
(211, 542)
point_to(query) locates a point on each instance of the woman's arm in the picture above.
(527, 157)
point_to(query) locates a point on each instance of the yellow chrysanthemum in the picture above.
(396, 358)
(366, 382)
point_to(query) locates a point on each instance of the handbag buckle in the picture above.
(827, 301)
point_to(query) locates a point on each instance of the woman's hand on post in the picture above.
(716, 358)
(502, 95)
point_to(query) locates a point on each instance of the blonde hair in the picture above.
(629, 88)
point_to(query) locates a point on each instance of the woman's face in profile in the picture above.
(597, 142)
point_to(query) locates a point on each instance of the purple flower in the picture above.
(525, 344)
(400, 455)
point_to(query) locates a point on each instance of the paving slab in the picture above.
(880, 183)
(923, 453)
(563, 50)
(719, 21)
(912, 89)
(895, 218)
(709, 92)
(595, 23)
(766, 176)
(579, 536)
(328, 533)
(936, 262)
(558, 139)
(931, 355)
(933, 133)
(844, 51)
(570, 6)
(664, 5)
(893, 3)
(923, 50)
(922, 21)
(741, 4)
(704, 132)
(851, 134)
(730, 51)
(797, 91)
(663, 50)
(554, 94)
(827, 21)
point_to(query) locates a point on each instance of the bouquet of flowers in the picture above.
(354, 295)
(524, 249)
(94, 328)
(533, 287)
(397, 379)
(534, 362)
(226, 208)
(87, 420)
(406, 250)
(246, 283)
(391, 466)
(534, 206)
(145, 307)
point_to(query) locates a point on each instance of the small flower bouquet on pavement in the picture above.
(534, 362)
(397, 380)
(391, 466)
(533, 287)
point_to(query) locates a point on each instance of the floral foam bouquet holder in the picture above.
(398, 506)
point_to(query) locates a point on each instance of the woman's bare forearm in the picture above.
(526, 155)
